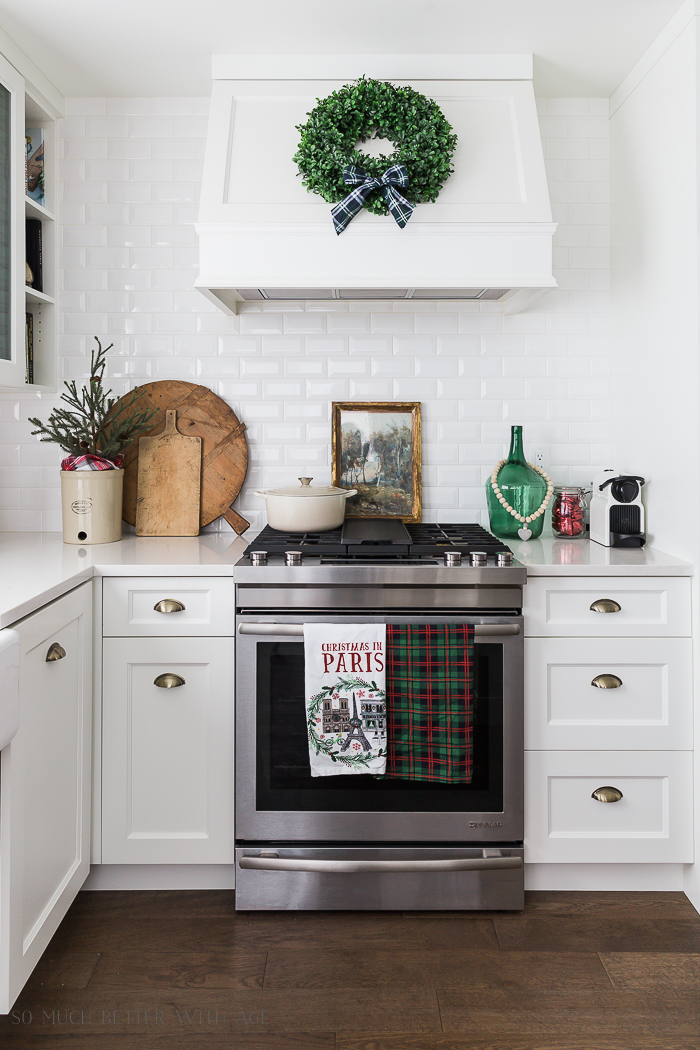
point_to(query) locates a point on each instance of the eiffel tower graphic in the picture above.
(356, 731)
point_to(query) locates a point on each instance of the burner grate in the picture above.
(426, 538)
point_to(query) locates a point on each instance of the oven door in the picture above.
(277, 799)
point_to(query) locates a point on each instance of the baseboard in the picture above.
(604, 877)
(160, 877)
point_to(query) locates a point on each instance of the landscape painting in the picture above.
(376, 450)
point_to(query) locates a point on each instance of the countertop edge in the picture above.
(13, 614)
(214, 554)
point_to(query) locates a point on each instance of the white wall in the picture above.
(655, 416)
(130, 172)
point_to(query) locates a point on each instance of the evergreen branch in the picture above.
(87, 426)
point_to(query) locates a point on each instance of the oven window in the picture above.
(284, 780)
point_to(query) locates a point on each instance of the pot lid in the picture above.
(306, 489)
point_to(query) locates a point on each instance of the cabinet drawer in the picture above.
(651, 710)
(167, 755)
(649, 606)
(652, 822)
(129, 606)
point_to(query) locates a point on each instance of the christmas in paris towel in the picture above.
(345, 697)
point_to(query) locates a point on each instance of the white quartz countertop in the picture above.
(552, 556)
(36, 568)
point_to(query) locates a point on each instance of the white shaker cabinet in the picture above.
(45, 786)
(608, 720)
(167, 722)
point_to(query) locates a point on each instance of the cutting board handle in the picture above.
(170, 421)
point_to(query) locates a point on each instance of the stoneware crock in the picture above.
(304, 508)
(92, 505)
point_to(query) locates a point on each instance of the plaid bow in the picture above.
(348, 208)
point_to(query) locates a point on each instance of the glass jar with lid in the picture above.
(569, 511)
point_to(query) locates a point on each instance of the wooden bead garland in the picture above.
(506, 505)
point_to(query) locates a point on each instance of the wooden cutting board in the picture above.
(200, 413)
(168, 484)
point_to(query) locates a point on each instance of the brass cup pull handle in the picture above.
(56, 652)
(607, 681)
(607, 794)
(169, 605)
(606, 605)
(169, 680)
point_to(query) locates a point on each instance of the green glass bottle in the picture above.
(522, 487)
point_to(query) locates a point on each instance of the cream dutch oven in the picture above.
(306, 509)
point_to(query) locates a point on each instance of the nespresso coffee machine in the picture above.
(617, 512)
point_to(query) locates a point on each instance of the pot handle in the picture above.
(263, 495)
(350, 492)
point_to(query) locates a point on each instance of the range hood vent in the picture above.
(362, 294)
(488, 237)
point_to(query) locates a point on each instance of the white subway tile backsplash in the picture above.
(372, 390)
(352, 367)
(375, 346)
(394, 323)
(130, 171)
(437, 323)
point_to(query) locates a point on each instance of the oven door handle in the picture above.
(296, 630)
(272, 862)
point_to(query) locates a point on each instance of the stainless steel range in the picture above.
(356, 842)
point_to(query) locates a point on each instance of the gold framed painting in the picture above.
(376, 450)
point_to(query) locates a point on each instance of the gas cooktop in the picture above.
(363, 540)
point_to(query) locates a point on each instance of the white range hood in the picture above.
(262, 236)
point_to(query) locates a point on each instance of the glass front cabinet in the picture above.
(27, 234)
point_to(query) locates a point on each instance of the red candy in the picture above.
(569, 514)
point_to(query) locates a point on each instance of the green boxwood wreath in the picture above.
(424, 141)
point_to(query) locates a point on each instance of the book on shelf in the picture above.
(34, 164)
(33, 250)
(29, 348)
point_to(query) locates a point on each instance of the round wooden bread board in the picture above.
(200, 413)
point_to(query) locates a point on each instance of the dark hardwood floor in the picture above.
(574, 971)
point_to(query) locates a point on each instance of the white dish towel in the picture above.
(345, 697)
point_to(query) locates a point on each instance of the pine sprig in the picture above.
(88, 426)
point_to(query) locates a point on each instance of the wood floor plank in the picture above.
(66, 970)
(633, 971)
(457, 1042)
(240, 1012)
(130, 904)
(164, 1039)
(595, 933)
(360, 930)
(472, 969)
(140, 970)
(662, 905)
(666, 905)
(605, 1015)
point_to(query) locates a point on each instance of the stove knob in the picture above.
(292, 557)
(452, 558)
(258, 557)
(504, 558)
(478, 559)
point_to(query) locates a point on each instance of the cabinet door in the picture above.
(167, 752)
(12, 358)
(45, 782)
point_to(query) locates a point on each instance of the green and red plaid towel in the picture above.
(429, 682)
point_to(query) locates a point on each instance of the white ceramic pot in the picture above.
(306, 509)
(92, 505)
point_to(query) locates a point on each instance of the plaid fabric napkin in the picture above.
(365, 184)
(90, 462)
(429, 681)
